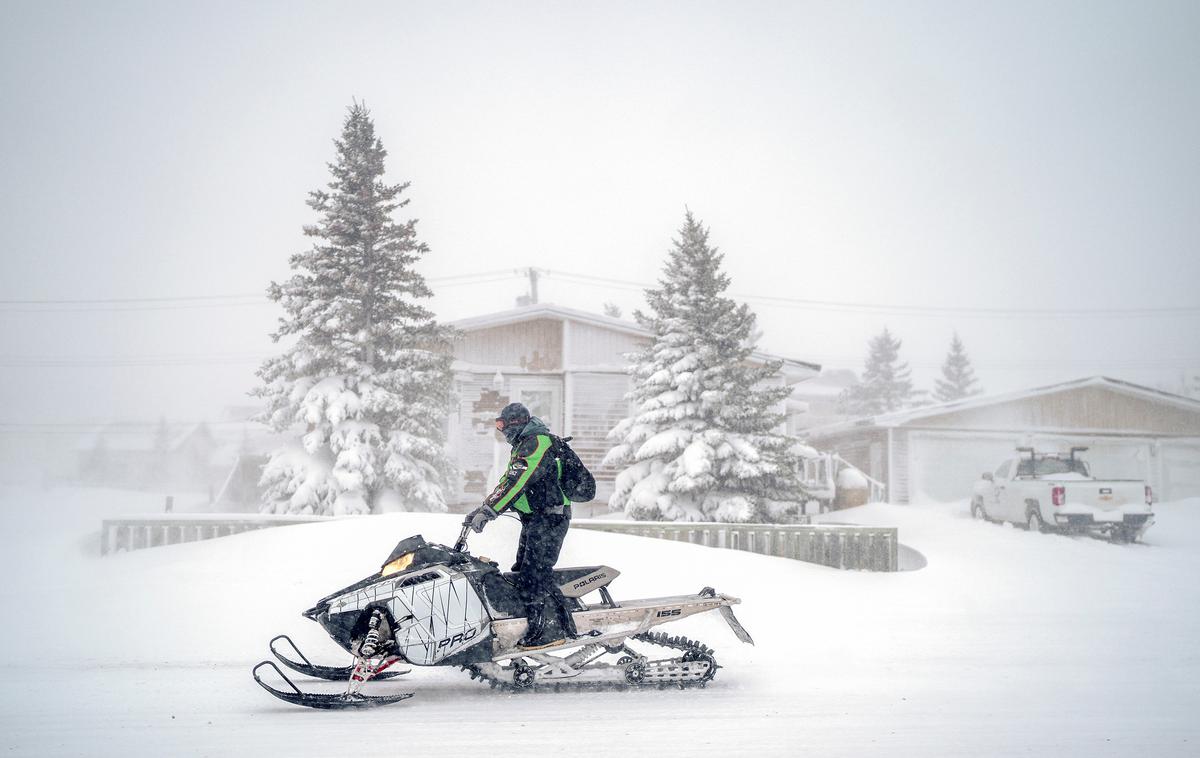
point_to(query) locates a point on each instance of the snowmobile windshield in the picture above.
(403, 551)
(398, 565)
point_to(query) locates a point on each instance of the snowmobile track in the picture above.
(636, 672)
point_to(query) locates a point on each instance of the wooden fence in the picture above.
(839, 546)
(865, 548)
(137, 532)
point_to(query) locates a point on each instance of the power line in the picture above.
(119, 425)
(219, 359)
(138, 308)
(188, 302)
(913, 310)
(132, 299)
(458, 280)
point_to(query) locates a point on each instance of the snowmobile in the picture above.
(432, 605)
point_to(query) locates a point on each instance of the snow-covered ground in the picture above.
(1006, 643)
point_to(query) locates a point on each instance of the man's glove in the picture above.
(479, 518)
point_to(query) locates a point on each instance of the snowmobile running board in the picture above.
(308, 668)
(629, 618)
(324, 701)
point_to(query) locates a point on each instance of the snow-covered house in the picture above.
(821, 394)
(568, 366)
(195, 457)
(139, 455)
(938, 451)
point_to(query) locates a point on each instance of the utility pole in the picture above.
(533, 279)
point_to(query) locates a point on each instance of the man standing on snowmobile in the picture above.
(530, 486)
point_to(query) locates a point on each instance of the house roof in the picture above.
(562, 313)
(905, 417)
(548, 311)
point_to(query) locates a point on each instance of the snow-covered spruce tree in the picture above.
(958, 377)
(886, 384)
(701, 444)
(369, 372)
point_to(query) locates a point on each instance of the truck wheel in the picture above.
(977, 510)
(1034, 523)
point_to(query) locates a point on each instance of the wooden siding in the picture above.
(473, 434)
(1076, 408)
(596, 346)
(855, 446)
(533, 346)
(599, 405)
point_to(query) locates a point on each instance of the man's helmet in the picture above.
(512, 419)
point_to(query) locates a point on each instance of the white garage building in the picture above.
(937, 452)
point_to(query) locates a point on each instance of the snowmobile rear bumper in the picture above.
(738, 630)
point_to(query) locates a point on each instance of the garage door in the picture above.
(1181, 471)
(1107, 458)
(944, 467)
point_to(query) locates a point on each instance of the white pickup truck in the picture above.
(1056, 492)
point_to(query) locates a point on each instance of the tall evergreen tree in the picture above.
(702, 441)
(886, 383)
(958, 377)
(369, 370)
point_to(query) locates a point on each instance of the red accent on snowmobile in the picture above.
(308, 668)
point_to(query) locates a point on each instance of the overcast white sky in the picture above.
(1002, 156)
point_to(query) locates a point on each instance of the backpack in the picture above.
(575, 481)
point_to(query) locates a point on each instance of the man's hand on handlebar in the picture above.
(479, 518)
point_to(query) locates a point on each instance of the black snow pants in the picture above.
(542, 536)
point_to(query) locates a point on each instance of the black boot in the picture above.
(535, 632)
(566, 621)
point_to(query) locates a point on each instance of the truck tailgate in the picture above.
(1106, 496)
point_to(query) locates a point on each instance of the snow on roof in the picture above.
(901, 418)
(549, 311)
(829, 383)
(562, 313)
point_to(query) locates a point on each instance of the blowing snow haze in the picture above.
(1023, 175)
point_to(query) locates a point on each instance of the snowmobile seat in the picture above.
(580, 580)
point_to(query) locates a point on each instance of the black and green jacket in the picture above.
(530, 483)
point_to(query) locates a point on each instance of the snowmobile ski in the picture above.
(308, 668)
(324, 701)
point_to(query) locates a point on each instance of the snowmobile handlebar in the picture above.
(461, 544)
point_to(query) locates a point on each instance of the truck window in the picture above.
(1002, 472)
(1050, 467)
